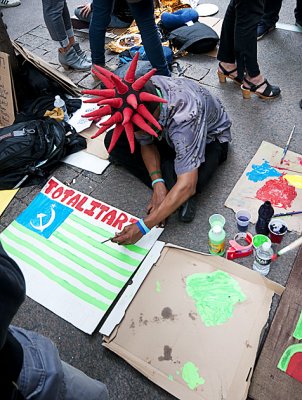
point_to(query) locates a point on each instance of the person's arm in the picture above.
(183, 189)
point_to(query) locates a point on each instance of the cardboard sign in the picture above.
(7, 113)
(61, 242)
(194, 326)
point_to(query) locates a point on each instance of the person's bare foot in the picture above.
(224, 67)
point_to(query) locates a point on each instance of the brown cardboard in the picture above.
(48, 70)
(7, 113)
(224, 354)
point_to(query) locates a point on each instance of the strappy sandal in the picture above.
(270, 92)
(223, 74)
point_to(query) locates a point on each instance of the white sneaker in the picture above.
(9, 3)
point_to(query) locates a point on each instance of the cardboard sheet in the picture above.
(6, 197)
(47, 69)
(266, 179)
(57, 242)
(7, 111)
(168, 339)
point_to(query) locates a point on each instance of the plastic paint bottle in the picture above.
(263, 258)
(217, 240)
(265, 214)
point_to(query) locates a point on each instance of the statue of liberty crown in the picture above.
(124, 100)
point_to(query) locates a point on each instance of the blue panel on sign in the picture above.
(44, 215)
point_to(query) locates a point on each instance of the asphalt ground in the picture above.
(254, 120)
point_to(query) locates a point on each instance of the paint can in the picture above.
(277, 229)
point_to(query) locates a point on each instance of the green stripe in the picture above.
(103, 247)
(66, 285)
(62, 267)
(94, 256)
(76, 259)
(132, 247)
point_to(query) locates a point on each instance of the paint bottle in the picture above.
(217, 240)
(263, 258)
(265, 214)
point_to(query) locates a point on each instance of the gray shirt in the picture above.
(192, 118)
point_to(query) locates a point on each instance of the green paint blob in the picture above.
(157, 286)
(287, 355)
(190, 374)
(215, 296)
(170, 377)
(177, 372)
(298, 331)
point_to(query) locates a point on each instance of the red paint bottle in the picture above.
(265, 213)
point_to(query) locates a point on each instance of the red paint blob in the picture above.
(278, 191)
(294, 368)
(300, 160)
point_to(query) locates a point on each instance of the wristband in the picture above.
(157, 180)
(158, 172)
(142, 227)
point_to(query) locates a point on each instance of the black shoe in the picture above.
(187, 211)
(263, 30)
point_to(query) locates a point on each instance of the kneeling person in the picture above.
(182, 143)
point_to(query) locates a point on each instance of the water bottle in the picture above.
(60, 103)
(265, 214)
(263, 258)
(217, 240)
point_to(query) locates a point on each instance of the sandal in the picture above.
(270, 92)
(223, 74)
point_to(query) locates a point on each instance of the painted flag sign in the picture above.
(57, 242)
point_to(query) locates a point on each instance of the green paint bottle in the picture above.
(217, 240)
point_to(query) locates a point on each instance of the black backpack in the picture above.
(30, 150)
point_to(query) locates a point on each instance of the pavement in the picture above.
(254, 120)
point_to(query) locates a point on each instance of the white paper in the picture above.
(87, 161)
(77, 121)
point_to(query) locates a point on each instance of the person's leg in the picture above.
(53, 17)
(248, 15)
(78, 12)
(143, 13)
(100, 20)
(226, 52)
(215, 154)
(58, 23)
(271, 12)
(79, 386)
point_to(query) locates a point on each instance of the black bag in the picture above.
(196, 38)
(29, 150)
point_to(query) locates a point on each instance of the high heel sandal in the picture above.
(270, 92)
(223, 74)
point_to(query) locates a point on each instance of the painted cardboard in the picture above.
(224, 355)
(244, 193)
(7, 110)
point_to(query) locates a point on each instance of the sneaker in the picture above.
(187, 211)
(263, 30)
(9, 3)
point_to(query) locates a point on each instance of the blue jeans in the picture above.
(143, 13)
(44, 376)
(57, 20)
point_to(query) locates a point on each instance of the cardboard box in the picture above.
(165, 336)
(7, 109)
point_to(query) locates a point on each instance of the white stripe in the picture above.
(288, 27)
(99, 238)
(79, 241)
(29, 251)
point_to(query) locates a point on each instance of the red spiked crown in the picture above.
(123, 100)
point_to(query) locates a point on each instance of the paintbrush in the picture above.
(287, 144)
(291, 246)
(107, 240)
(286, 214)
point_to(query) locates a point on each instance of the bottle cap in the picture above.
(266, 246)
(217, 229)
(57, 97)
